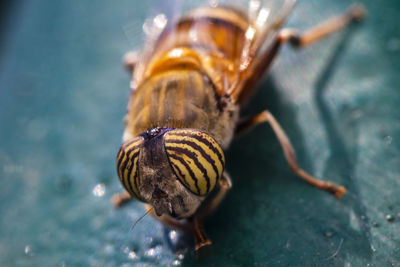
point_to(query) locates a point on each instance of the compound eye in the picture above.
(196, 159)
(127, 165)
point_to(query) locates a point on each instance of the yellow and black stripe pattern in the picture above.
(196, 158)
(127, 165)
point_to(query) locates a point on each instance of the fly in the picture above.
(189, 84)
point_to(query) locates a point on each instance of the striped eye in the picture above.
(127, 165)
(196, 158)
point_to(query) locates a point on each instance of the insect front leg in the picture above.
(192, 225)
(289, 152)
(201, 239)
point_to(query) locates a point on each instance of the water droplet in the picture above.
(176, 262)
(149, 252)
(180, 256)
(153, 252)
(132, 255)
(99, 190)
(172, 235)
(390, 218)
(28, 250)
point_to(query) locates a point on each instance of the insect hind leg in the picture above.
(289, 152)
(297, 39)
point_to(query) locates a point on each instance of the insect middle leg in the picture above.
(298, 40)
(289, 152)
(120, 199)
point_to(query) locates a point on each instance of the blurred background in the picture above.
(63, 94)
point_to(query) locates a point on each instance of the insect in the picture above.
(188, 86)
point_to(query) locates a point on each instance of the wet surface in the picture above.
(63, 94)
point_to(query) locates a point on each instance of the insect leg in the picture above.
(193, 225)
(200, 236)
(354, 13)
(130, 59)
(289, 152)
(121, 199)
(224, 185)
(249, 78)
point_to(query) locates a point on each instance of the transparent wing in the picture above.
(144, 33)
(263, 19)
(266, 18)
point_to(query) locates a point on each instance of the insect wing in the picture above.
(261, 20)
(143, 35)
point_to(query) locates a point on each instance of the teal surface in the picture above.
(63, 94)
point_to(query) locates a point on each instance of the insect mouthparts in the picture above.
(162, 206)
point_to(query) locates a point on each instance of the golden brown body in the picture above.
(188, 88)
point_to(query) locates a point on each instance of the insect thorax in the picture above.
(181, 99)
